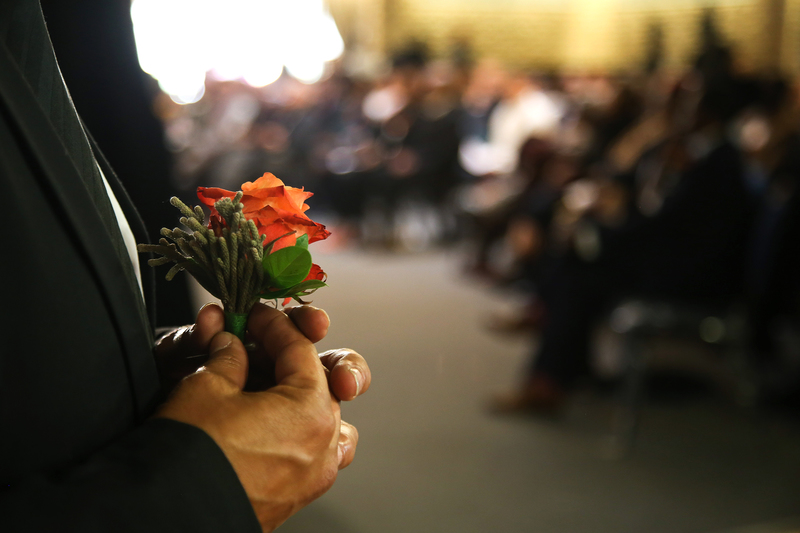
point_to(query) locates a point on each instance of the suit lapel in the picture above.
(96, 238)
(137, 226)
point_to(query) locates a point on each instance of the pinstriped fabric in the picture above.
(23, 31)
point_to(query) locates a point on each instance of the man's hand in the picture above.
(285, 443)
(183, 350)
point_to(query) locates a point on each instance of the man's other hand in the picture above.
(286, 443)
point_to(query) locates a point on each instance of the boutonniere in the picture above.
(252, 246)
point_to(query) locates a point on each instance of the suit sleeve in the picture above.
(165, 476)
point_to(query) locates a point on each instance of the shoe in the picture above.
(540, 396)
(528, 320)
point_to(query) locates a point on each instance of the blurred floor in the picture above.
(430, 459)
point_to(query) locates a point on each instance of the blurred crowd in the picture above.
(578, 190)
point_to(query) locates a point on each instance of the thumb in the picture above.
(227, 358)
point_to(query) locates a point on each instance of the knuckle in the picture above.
(332, 358)
(326, 477)
(352, 358)
(329, 473)
(325, 425)
(228, 360)
(317, 424)
(202, 379)
(337, 354)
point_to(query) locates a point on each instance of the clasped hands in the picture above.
(276, 413)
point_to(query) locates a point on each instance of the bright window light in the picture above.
(180, 41)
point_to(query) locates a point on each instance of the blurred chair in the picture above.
(771, 286)
(641, 321)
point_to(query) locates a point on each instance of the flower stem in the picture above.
(236, 323)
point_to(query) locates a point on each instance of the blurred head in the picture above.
(514, 84)
(534, 155)
(484, 84)
(408, 69)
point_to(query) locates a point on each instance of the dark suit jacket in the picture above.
(77, 378)
(96, 53)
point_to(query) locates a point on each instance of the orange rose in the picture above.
(276, 209)
(315, 273)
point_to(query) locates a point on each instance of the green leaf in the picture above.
(302, 241)
(273, 295)
(287, 267)
(310, 284)
(301, 289)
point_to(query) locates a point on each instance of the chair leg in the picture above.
(626, 416)
(746, 385)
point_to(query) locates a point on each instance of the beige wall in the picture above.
(790, 58)
(576, 34)
(739, 24)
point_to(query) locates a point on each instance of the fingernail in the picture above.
(358, 377)
(220, 342)
(180, 333)
(341, 451)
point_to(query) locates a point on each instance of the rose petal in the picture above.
(269, 190)
(265, 181)
(275, 208)
(300, 224)
(315, 273)
(210, 195)
(277, 230)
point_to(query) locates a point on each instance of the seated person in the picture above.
(684, 238)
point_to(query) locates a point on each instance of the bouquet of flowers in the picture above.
(253, 246)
